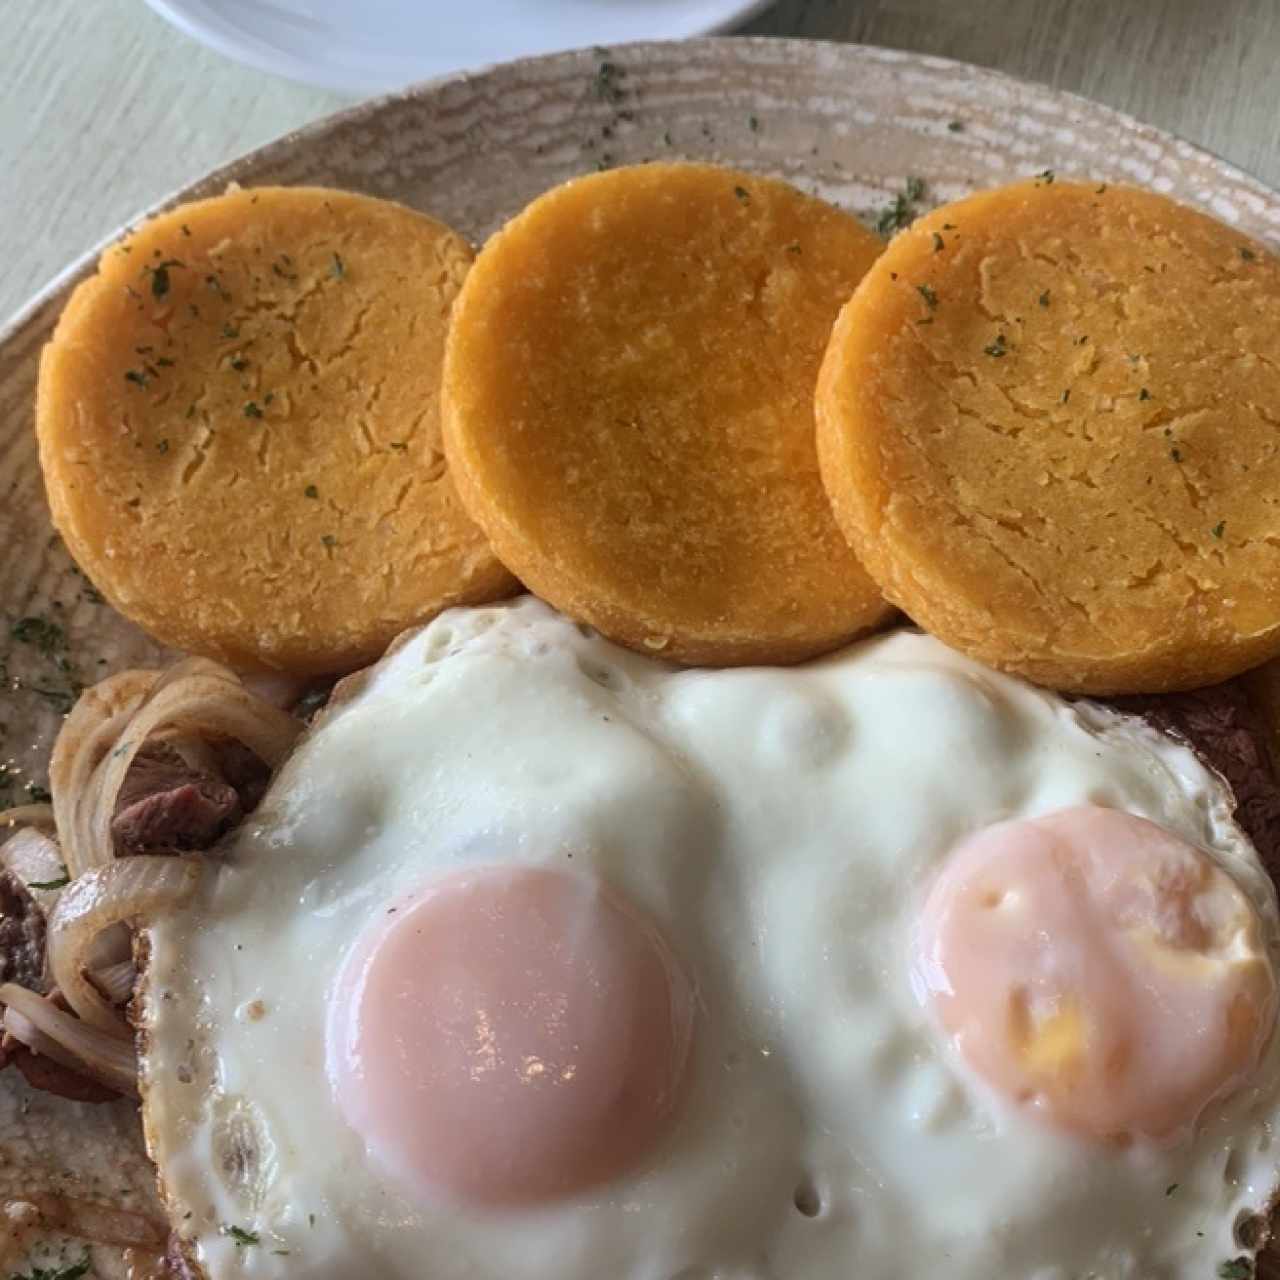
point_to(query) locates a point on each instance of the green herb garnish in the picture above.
(1144, 394)
(61, 700)
(605, 82)
(1219, 529)
(136, 376)
(938, 243)
(996, 348)
(742, 193)
(311, 491)
(40, 633)
(902, 210)
(73, 1272)
(1235, 1269)
(242, 1237)
(337, 270)
(58, 883)
(1248, 255)
(1043, 299)
(930, 298)
(896, 216)
(160, 277)
(251, 410)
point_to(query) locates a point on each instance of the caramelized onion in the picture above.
(276, 688)
(99, 1223)
(39, 816)
(33, 857)
(194, 704)
(125, 891)
(114, 945)
(88, 735)
(46, 1029)
(195, 700)
(115, 981)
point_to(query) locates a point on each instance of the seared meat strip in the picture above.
(168, 803)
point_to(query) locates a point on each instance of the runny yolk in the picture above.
(511, 1035)
(1098, 969)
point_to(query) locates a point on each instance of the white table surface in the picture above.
(105, 109)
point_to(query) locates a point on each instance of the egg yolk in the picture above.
(509, 1035)
(1098, 969)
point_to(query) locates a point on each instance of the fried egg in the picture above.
(542, 959)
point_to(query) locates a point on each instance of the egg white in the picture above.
(778, 825)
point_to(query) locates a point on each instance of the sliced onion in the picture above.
(39, 816)
(112, 721)
(22, 1029)
(115, 981)
(99, 1223)
(194, 751)
(231, 709)
(114, 945)
(196, 698)
(88, 735)
(46, 1029)
(126, 891)
(33, 857)
(276, 688)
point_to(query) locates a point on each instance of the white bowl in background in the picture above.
(378, 46)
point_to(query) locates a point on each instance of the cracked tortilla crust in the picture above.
(1049, 424)
(238, 420)
(628, 404)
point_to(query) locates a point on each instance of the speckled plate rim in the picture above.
(717, 47)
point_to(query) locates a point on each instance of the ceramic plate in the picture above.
(849, 123)
(377, 46)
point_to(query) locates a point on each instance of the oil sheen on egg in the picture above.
(544, 960)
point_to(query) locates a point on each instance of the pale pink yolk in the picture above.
(510, 1035)
(1093, 966)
